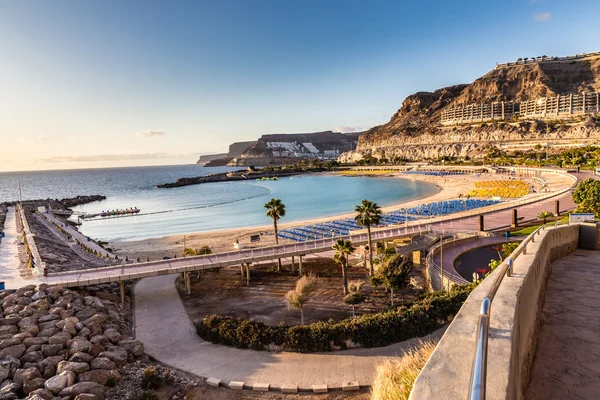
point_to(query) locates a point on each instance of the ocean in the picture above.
(204, 207)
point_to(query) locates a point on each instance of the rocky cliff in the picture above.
(235, 150)
(294, 147)
(415, 132)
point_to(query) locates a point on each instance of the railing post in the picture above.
(509, 271)
(525, 248)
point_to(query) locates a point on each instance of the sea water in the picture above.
(204, 207)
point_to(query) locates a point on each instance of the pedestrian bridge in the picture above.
(125, 272)
(529, 330)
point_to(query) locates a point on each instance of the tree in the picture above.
(544, 215)
(587, 196)
(394, 274)
(298, 297)
(276, 210)
(355, 296)
(369, 214)
(188, 251)
(343, 249)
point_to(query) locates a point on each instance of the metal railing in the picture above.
(479, 367)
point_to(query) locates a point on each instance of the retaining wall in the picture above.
(514, 324)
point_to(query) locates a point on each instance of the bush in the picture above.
(145, 395)
(419, 318)
(152, 378)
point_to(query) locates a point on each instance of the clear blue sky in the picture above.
(102, 83)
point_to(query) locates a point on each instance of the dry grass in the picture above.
(395, 378)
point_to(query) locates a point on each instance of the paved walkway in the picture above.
(162, 324)
(567, 360)
(10, 273)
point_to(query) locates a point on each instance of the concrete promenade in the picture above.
(10, 273)
(162, 324)
(566, 363)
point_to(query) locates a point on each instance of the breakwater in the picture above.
(242, 175)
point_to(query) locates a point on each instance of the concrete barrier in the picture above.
(515, 321)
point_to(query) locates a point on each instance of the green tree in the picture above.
(394, 274)
(343, 249)
(298, 297)
(544, 215)
(276, 210)
(369, 214)
(587, 196)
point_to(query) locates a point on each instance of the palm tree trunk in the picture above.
(371, 271)
(301, 317)
(392, 296)
(277, 243)
(353, 313)
(344, 279)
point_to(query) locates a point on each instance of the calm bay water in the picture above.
(202, 207)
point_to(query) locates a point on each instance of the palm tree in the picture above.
(369, 214)
(544, 215)
(276, 210)
(343, 248)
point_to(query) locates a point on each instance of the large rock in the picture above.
(84, 387)
(9, 329)
(78, 344)
(119, 356)
(51, 349)
(13, 351)
(10, 320)
(11, 364)
(100, 376)
(87, 396)
(35, 340)
(4, 343)
(49, 332)
(81, 357)
(32, 357)
(60, 338)
(133, 346)
(102, 363)
(60, 381)
(113, 335)
(33, 384)
(77, 367)
(26, 374)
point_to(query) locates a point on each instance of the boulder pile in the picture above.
(58, 344)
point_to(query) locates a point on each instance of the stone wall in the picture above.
(515, 319)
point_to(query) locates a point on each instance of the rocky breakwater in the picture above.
(241, 175)
(58, 344)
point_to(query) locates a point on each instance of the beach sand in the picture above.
(222, 240)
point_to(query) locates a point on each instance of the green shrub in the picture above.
(152, 378)
(418, 318)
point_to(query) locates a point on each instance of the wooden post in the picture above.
(122, 285)
(188, 283)
(242, 271)
(293, 267)
(300, 264)
(481, 223)
(557, 208)
(515, 220)
(248, 274)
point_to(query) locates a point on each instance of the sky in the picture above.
(103, 83)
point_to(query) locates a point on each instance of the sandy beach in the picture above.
(449, 187)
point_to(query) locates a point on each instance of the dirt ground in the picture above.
(210, 393)
(222, 292)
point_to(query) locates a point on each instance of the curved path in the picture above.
(162, 324)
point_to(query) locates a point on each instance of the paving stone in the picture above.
(261, 387)
(236, 385)
(289, 388)
(319, 388)
(350, 386)
(213, 382)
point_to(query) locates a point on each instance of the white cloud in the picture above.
(350, 129)
(544, 16)
(27, 140)
(150, 133)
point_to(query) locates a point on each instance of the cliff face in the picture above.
(415, 133)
